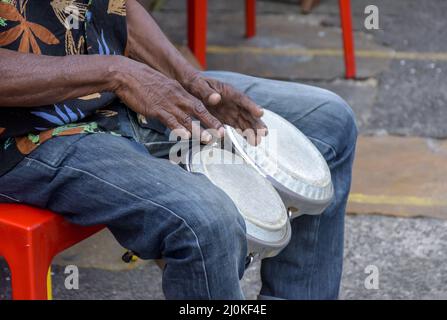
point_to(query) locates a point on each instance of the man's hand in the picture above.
(148, 44)
(150, 93)
(228, 105)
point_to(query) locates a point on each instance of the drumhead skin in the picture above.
(290, 161)
(266, 219)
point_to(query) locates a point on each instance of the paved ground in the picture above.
(403, 96)
(401, 176)
(410, 255)
(408, 95)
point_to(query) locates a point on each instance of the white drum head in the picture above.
(258, 202)
(291, 162)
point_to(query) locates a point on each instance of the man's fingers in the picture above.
(199, 133)
(170, 121)
(198, 110)
(210, 95)
(256, 123)
(246, 103)
(206, 93)
(209, 121)
(247, 131)
(214, 99)
(194, 107)
(235, 96)
(193, 127)
(259, 127)
(184, 119)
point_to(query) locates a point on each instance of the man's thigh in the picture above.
(104, 179)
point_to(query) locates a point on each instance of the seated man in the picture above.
(72, 81)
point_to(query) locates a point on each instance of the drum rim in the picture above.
(188, 165)
(230, 133)
(290, 193)
(274, 244)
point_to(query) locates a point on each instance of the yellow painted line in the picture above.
(396, 200)
(287, 52)
(49, 285)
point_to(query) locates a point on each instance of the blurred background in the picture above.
(398, 91)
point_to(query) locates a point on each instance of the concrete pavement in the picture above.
(410, 255)
(401, 176)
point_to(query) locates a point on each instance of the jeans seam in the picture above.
(9, 197)
(312, 110)
(326, 144)
(313, 258)
(141, 199)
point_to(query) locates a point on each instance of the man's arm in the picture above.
(33, 80)
(148, 44)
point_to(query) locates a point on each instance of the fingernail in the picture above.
(221, 132)
(206, 137)
(214, 98)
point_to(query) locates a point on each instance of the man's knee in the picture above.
(344, 115)
(331, 126)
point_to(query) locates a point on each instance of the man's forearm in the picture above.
(32, 80)
(149, 45)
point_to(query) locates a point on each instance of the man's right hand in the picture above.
(150, 93)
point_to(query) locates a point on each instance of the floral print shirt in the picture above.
(58, 28)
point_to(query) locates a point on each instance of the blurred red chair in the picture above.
(31, 237)
(197, 27)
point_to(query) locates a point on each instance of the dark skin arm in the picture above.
(31, 80)
(34, 80)
(148, 44)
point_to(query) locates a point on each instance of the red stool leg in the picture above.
(348, 39)
(250, 18)
(197, 29)
(28, 275)
(32, 237)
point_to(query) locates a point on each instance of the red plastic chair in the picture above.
(30, 238)
(197, 30)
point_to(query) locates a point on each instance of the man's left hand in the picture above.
(228, 105)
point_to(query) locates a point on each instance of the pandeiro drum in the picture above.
(289, 160)
(266, 219)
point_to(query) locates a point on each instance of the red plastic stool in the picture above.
(30, 238)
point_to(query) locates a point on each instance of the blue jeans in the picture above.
(157, 209)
